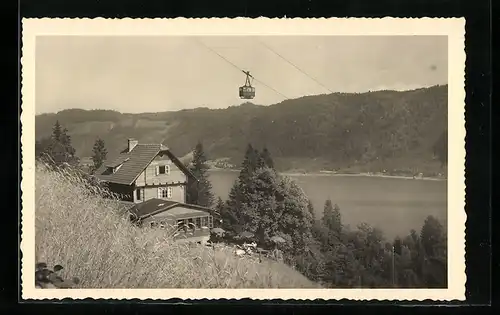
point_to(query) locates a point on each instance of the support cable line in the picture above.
(245, 72)
(292, 64)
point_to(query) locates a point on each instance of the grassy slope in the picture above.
(94, 242)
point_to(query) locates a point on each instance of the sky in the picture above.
(168, 73)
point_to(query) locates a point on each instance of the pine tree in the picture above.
(433, 262)
(259, 160)
(100, 153)
(230, 211)
(219, 205)
(310, 208)
(337, 219)
(331, 217)
(432, 237)
(58, 147)
(249, 164)
(200, 193)
(266, 156)
(57, 131)
(238, 195)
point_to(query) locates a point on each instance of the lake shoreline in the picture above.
(331, 174)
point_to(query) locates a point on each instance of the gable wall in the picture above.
(148, 176)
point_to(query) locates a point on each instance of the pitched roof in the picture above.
(118, 161)
(134, 162)
(153, 206)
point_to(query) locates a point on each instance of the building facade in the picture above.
(152, 182)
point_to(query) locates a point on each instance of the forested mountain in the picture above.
(363, 131)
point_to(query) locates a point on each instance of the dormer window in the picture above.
(114, 166)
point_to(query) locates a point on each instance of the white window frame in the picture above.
(167, 170)
(168, 194)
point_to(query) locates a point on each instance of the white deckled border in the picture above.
(454, 28)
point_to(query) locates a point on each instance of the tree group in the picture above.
(268, 205)
(362, 257)
(56, 149)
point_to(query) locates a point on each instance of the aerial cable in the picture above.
(289, 62)
(215, 52)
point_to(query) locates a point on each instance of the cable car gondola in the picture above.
(247, 91)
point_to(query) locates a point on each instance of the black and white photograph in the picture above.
(224, 158)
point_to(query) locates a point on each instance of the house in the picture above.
(186, 222)
(145, 171)
(153, 182)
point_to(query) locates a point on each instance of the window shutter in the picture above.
(157, 170)
(159, 192)
(169, 192)
(167, 169)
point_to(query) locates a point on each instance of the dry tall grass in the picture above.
(96, 243)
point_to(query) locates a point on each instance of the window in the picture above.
(162, 169)
(165, 192)
(197, 222)
(204, 221)
(138, 194)
(191, 224)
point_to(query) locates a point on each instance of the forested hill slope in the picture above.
(369, 131)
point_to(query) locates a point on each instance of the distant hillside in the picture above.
(366, 131)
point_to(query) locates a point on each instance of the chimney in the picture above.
(131, 144)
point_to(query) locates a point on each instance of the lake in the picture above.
(394, 205)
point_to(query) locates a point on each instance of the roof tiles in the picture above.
(138, 159)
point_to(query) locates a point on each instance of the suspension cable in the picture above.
(234, 65)
(295, 66)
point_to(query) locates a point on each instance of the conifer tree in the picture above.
(200, 192)
(58, 147)
(219, 205)
(57, 131)
(331, 217)
(259, 160)
(310, 208)
(99, 153)
(249, 164)
(432, 237)
(237, 193)
(266, 156)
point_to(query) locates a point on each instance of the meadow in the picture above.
(94, 241)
